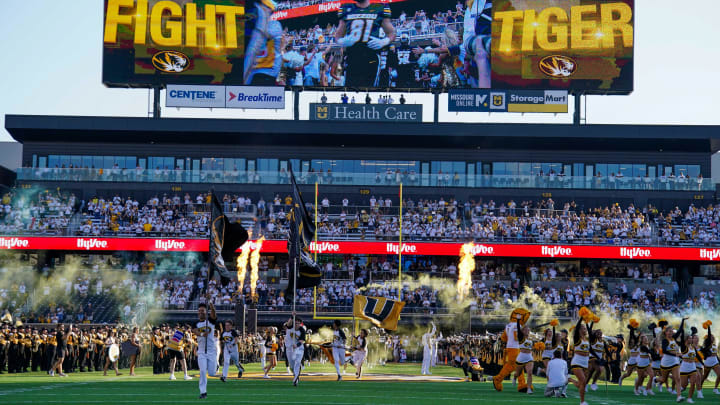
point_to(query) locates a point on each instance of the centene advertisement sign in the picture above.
(556, 252)
(195, 96)
(249, 97)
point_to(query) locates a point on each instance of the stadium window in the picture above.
(42, 161)
(498, 168)
(525, 169)
(693, 170)
(87, 161)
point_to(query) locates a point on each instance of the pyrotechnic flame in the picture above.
(465, 269)
(242, 262)
(254, 260)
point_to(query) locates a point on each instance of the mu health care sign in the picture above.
(522, 101)
(366, 112)
(250, 97)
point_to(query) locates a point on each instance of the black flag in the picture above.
(225, 239)
(302, 231)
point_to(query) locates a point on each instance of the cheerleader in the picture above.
(644, 368)
(524, 361)
(670, 361)
(712, 362)
(551, 340)
(596, 361)
(634, 346)
(271, 347)
(688, 369)
(655, 357)
(580, 359)
(134, 349)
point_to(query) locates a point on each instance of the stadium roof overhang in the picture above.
(657, 138)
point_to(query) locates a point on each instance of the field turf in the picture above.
(381, 385)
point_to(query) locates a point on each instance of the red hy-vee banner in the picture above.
(329, 7)
(374, 248)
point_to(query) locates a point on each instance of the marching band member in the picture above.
(111, 340)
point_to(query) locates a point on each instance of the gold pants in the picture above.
(510, 355)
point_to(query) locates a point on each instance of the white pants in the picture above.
(208, 366)
(295, 358)
(230, 357)
(427, 357)
(263, 356)
(339, 357)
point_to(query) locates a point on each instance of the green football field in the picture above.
(392, 384)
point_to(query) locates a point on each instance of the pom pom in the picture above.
(707, 324)
(583, 312)
(596, 319)
(539, 346)
(693, 331)
(555, 322)
(634, 324)
(652, 327)
(663, 323)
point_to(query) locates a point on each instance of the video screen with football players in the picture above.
(403, 44)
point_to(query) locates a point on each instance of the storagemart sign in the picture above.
(366, 112)
(522, 101)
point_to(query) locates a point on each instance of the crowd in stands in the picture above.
(541, 221)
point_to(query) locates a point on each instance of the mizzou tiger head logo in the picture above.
(171, 61)
(558, 66)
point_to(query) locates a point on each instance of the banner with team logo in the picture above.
(581, 45)
(381, 312)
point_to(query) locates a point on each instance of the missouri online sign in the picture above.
(583, 45)
(153, 42)
(366, 112)
(523, 101)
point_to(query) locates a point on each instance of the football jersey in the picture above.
(364, 23)
(405, 56)
(229, 340)
(338, 338)
(511, 333)
(207, 344)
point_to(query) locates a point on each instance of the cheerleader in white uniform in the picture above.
(712, 362)
(524, 361)
(581, 357)
(670, 361)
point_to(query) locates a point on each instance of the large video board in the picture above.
(577, 45)
(371, 44)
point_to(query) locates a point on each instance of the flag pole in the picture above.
(400, 247)
(316, 242)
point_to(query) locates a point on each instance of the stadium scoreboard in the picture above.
(575, 45)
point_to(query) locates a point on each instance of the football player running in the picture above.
(363, 30)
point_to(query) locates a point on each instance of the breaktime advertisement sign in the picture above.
(371, 44)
